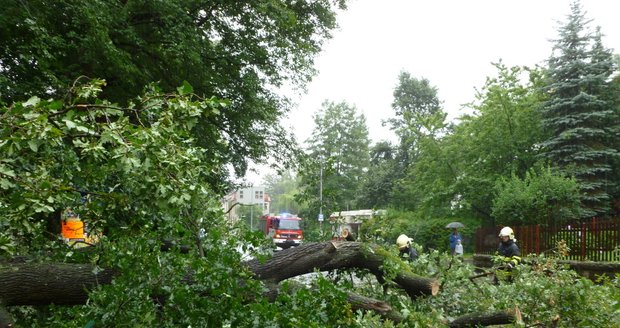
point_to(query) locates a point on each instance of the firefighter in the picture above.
(509, 252)
(405, 248)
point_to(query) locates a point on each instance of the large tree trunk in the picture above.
(328, 256)
(68, 284)
(590, 270)
(42, 284)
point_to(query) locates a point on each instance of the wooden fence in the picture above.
(593, 240)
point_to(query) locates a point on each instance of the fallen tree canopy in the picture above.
(68, 284)
(328, 256)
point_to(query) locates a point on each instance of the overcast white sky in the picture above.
(452, 43)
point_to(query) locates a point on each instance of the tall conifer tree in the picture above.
(580, 113)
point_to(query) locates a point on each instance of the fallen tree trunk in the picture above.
(381, 308)
(43, 284)
(588, 269)
(68, 284)
(328, 256)
(487, 319)
(358, 302)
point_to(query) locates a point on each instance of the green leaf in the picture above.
(6, 184)
(185, 88)
(7, 171)
(33, 145)
(70, 124)
(55, 105)
(33, 101)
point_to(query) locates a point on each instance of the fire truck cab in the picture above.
(284, 229)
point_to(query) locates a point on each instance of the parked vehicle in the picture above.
(284, 229)
(346, 224)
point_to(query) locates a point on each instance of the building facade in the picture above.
(253, 196)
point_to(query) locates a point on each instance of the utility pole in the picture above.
(252, 208)
(321, 198)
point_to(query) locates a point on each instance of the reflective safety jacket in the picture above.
(510, 253)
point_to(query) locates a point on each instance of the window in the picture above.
(258, 195)
(241, 194)
(289, 224)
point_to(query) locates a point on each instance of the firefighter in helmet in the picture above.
(508, 251)
(405, 248)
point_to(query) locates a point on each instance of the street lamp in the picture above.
(321, 197)
(252, 207)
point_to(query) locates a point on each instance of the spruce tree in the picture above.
(580, 111)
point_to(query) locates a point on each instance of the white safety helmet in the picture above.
(403, 241)
(507, 231)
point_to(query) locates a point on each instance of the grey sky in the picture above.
(452, 43)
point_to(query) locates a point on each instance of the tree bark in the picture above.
(68, 284)
(381, 308)
(590, 270)
(328, 256)
(487, 319)
(43, 284)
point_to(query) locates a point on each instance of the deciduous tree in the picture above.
(338, 147)
(239, 51)
(378, 184)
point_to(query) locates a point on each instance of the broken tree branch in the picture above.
(328, 256)
(487, 319)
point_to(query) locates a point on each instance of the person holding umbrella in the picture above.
(455, 236)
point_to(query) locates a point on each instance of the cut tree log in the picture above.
(43, 284)
(328, 256)
(488, 319)
(68, 284)
(381, 308)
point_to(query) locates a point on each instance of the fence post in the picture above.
(582, 256)
(537, 239)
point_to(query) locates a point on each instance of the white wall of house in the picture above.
(254, 195)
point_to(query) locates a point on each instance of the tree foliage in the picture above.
(418, 113)
(226, 48)
(282, 189)
(378, 183)
(338, 148)
(580, 113)
(135, 183)
(89, 155)
(498, 139)
(240, 51)
(419, 121)
(455, 171)
(543, 196)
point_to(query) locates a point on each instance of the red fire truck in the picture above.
(285, 229)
